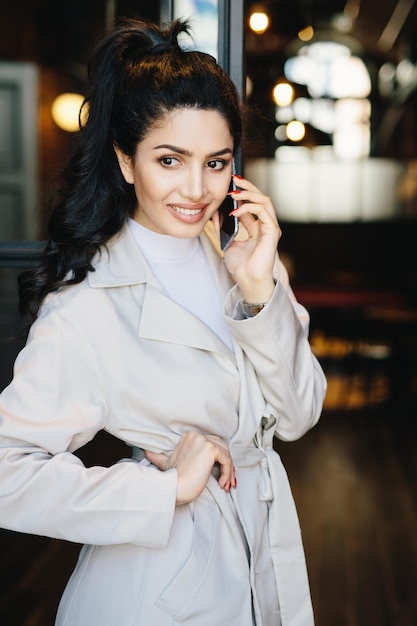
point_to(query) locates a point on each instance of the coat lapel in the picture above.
(161, 319)
(164, 320)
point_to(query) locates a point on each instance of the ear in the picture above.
(125, 164)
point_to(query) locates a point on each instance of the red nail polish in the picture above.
(229, 193)
(238, 176)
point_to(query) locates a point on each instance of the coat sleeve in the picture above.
(276, 343)
(55, 404)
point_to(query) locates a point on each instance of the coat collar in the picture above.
(122, 263)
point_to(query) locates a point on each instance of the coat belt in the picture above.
(246, 456)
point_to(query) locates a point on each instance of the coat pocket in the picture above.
(187, 596)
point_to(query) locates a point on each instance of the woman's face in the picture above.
(181, 171)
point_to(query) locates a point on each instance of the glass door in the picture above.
(218, 26)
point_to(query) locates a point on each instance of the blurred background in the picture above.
(332, 137)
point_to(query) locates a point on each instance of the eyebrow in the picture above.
(188, 153)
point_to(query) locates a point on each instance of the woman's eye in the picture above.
(168, 161)
(216, 164)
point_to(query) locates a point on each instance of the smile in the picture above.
(186, 211)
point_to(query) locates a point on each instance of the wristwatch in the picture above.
(250, 309)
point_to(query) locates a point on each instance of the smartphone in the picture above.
(229, 223)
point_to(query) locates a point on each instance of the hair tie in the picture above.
(165, 46)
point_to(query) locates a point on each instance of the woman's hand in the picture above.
(251, 261)
(193, 458)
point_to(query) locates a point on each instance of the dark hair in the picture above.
(138, 73)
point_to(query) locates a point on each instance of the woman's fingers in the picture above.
(194, 458)
(256, 213)
(251, 261)
(248, 194)
(258, 217)
(159, 459)
(221, 452)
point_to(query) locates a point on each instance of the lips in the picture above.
(189, 211)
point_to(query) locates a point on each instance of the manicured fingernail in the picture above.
(238, 176)
(229, 193)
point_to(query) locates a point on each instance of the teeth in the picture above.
(187, 211)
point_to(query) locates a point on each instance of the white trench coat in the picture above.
(115, 353)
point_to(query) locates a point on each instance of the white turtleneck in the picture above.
(182, 268)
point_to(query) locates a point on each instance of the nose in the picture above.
(194, 187)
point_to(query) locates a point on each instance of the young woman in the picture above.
(141, 327)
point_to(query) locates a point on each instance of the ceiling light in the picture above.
(296, 130)
(259, 22)
(66, 111)
(283, 94)
(306, 33)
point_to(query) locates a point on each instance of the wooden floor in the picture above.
(355, 484)
(354, 479)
